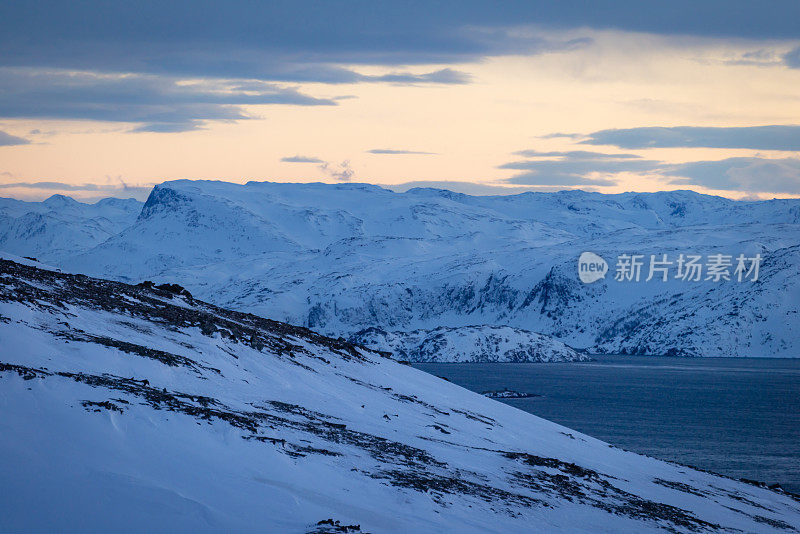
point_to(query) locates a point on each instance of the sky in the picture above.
(109, 98)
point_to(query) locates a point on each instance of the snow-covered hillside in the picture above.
(135, 409)
(60, 226)
(468, 344)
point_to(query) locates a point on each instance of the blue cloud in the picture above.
(301, 159)
(298, 41)
(574, 167)
(582, 166)
(740, 174)
(290, 69)
(119, 189)
(750, 174)
(558, 179)
(763, 57)
(455, 188)
(557, 135)
(6, 139)
(393, 151)
(582, 155)
(56, 185)
(159, 103)
(792, 58)
(237, 35)
(442, 76)
(184, 125)
(264, 40)
(751, 137)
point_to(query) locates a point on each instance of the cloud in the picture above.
(45, 133)
(301, 159)
(443, 76)
(63, 186)
(467, 188)
(186, 125)
(575, 167)
(740, 174)
(342, 172)
(161, 104)
(236, 38)
(558, 179)
(6, 139)
(580, 168)
(393, 151)
(55, 185)
(34, 190)
(327, 74)
(784, 137)
(139, 61)
(763, 57)
(792, 58)
(279, 41)
(582, 155)
(557, 135)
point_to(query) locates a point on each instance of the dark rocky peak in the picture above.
(162, 198)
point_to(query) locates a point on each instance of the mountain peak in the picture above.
(160, 198)
(58, 200)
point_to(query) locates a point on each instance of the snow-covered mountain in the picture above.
(468, 344)
(60, 225)
(137, 409)
(348, 257)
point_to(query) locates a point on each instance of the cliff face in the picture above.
(468, 344)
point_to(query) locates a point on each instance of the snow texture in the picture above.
(348, 257)
(139, 409)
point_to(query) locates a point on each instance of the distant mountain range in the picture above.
(61, 226)
(131, 408)
(348, 257)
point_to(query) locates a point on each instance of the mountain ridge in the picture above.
(346, 257)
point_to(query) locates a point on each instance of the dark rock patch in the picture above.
(94, 406)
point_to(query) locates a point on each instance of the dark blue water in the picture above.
(738, 417)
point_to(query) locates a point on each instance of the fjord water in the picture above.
(735, 416)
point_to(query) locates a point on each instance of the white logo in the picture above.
(591, 267)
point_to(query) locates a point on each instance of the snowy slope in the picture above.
(60, 225)
(347, 257)
(468, 344)
(130, 409)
